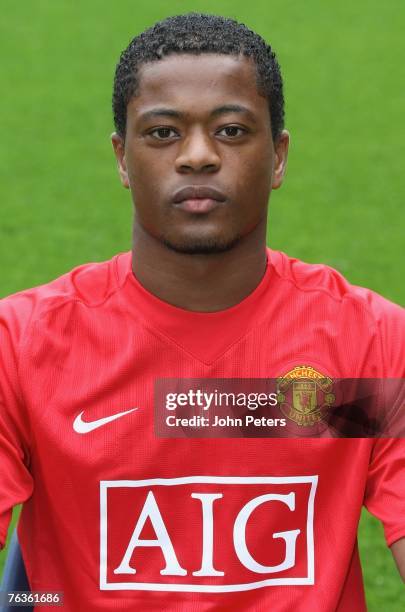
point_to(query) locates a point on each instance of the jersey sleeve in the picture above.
(385, 490)
(16, 483)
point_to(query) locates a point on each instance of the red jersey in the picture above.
(118, 518)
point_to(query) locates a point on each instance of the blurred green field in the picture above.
(342, 202)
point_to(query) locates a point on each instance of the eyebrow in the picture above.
(217, 112)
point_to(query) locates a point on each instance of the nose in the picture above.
(198, 154)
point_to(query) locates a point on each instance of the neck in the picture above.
(204, 283)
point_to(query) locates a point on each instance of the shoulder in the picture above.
(88, 285)
(356, 313)
(328, 282)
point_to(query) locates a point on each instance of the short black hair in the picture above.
(197, 33)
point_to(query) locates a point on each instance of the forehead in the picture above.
(199, 81)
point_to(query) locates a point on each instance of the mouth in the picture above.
(198, 199)
(198, 205)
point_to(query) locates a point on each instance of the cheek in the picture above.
(147, 161)
(254, 175)
(137, 165)
(145, 176)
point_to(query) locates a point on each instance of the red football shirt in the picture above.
(117, 518)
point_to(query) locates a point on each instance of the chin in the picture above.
(201, 246)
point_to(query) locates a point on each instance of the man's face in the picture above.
(199, 122)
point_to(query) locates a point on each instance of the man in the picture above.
(117, 517)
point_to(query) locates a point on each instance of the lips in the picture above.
(198, 198)
(198, 192)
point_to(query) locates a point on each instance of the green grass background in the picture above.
(343, 200)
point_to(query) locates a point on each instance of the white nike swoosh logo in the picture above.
(83, 427)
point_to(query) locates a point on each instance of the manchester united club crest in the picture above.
(305, 395)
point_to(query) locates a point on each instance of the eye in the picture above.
(232, 131)
(162, 133)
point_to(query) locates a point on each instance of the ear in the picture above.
(280, 159)
(119, 150)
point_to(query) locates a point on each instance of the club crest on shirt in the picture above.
(304, 395)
